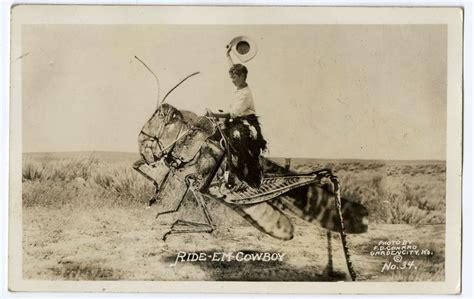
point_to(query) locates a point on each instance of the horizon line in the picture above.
(277, 157)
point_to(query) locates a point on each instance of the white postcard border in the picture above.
(245, 15)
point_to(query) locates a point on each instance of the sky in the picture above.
(321, 91)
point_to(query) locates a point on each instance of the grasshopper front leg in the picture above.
(184, 226)
(173, 210)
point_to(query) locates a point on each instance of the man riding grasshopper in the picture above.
(242, 131)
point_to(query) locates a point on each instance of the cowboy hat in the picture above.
(243, 48)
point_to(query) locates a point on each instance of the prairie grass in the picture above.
(394, 193)
(84, 181)
(84, 220)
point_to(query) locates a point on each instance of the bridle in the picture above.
(166, 118)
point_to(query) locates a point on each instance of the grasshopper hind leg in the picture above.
(329, 270)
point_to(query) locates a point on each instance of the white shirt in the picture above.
(243, 103)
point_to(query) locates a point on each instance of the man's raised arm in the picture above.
(229, 59)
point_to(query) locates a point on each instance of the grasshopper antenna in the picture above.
(156, 78)
(180, 82)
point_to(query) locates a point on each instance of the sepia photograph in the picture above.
(155, 148)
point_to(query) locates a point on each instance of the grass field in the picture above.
(84, 219)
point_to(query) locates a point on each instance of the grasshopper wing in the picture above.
(267, 218)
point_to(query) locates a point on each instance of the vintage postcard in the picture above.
(236, 149)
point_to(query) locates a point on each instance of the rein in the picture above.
(167, 120)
